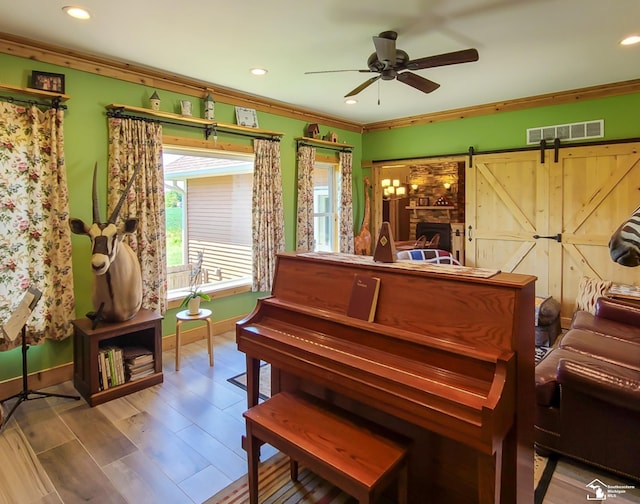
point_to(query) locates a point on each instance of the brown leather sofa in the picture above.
(588, 390)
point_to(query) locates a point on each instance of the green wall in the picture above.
(504, 130)
(86, 143)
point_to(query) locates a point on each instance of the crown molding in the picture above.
(588, 93)
(157, 79)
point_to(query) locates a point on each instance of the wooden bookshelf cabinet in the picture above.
(145, 330)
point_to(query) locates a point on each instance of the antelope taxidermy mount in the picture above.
(117, 285)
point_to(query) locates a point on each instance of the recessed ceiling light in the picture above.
(258, 71)
(351, 101)
(76, 12)
(630, 40)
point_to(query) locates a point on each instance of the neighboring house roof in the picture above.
(182, 167)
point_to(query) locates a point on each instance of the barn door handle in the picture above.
(557, 237)
(469, 234)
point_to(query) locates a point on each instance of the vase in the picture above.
(194, 306)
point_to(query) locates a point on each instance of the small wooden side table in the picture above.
(184, 316)
(143, 330)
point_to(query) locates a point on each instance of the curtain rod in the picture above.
(338, 147)
(208, 129)
(55, 102)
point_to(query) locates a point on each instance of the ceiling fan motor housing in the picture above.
(375, 65)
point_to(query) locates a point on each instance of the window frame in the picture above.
(184, 145)
(333, 191)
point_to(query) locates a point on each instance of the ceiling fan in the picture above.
(389, 63)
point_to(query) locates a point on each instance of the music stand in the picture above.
(20, 316)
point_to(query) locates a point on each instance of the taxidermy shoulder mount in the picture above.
(117, 281)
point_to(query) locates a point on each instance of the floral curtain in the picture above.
(134, 143)
(304, 227)
(35, 238)
(268, 213)
(346, 203)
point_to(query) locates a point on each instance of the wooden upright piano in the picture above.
(448, 361)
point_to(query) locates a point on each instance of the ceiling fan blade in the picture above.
(334, 71)
(452, 58)
(362, 86)
(418, 82)
(386, 47)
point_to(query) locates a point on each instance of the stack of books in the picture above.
(119, 365)
(110, 367)
(138, 363)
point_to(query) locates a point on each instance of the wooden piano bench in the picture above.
(351, 456)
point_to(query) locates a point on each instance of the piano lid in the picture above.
(474, 306)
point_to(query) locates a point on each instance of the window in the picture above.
(208, 218)
(325, 214)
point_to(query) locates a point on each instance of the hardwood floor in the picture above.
(178, 442)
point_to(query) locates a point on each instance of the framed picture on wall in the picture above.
(246, 117)
(46, 81)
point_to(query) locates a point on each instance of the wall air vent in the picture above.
(573, 131)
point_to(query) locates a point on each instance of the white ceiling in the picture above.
(527, 47)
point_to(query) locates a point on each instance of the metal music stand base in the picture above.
(25, 394)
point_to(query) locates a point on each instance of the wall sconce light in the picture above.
(447, 186)
(414, 187)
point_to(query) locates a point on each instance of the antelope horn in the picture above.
(116, 210)
(96, 207)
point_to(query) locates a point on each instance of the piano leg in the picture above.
(489, 478)
(293, 469)
(253, 381)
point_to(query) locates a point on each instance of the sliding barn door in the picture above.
(552, 219)
(507, 205)
(593, 190)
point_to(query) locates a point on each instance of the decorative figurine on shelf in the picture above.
(185, 107)
(154, 101)
(313, 130)
(209, 108)
(333, 137)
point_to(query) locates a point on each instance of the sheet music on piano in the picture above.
(12, 327)
(452, 269)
